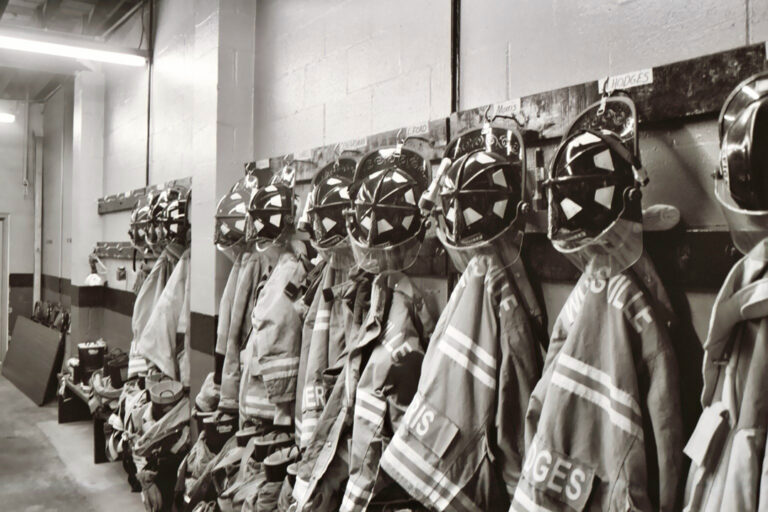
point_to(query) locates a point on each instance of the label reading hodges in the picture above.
(626, 80)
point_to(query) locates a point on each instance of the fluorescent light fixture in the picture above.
(7, 118)
(26, 44)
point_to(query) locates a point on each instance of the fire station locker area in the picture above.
(356, 255)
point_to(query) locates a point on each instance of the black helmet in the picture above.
(482, 195)
(271, 211)
(327, 201)
(155, 232)
(385, 226)
(591, 185)
(140, 223)
(743, 129)
(174, 215)
(232, 213)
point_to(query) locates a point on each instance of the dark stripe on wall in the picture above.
(203, 332)
(20, 280)
(57, 284)
(119, 301)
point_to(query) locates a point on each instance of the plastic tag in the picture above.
(415, 131)
(710, 430)
(626, 81)
(351, 145)
(305, 155)
(508, 108)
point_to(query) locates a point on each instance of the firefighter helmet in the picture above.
(272, 211)
(741, 186)
(385, 225)
(482, 196)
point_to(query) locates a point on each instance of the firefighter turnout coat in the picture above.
(603, 425)
(271, 356)
(729, 470)
(376, 383)
(233, 332)
(147, 297)
(165, 340)
(460, 444)
(332, 317)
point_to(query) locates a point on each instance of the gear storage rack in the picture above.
(677, 107)
(124, 202)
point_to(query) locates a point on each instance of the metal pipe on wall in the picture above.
(150, 51)
(37, 272)
(25, 156)
(455, 55)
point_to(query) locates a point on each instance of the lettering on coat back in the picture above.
(558, 476)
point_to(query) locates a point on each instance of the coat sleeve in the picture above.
(663, 404)
(520, 370)
(225, 306)
(277, 330)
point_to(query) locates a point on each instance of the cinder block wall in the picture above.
(57, 196)
(332, 70)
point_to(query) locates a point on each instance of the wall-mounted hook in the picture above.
(486, 114)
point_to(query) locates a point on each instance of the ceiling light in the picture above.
(26, 44)
(7, 118)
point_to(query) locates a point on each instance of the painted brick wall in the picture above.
(57, 185)
(13, 199)
(332, 70)
(510, 49)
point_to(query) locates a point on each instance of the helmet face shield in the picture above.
(613, 251)
(748, 227)
(385, 258)
(505, 246)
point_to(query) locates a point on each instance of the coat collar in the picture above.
(743, 296)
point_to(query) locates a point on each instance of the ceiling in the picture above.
(40, 75)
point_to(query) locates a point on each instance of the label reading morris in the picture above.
(508, 108)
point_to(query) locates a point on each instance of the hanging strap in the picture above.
(535, 312)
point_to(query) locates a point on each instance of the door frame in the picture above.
(4, 281)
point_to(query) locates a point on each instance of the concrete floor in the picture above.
(46, 467)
